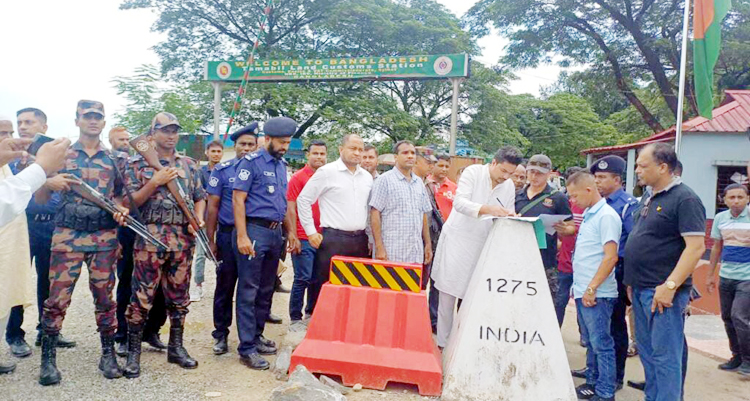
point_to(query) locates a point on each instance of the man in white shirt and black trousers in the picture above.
(342, 190)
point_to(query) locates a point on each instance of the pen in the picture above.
(250, 257)
(498, 201)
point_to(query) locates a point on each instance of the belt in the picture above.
(270, 224)
(225, 228)
(356, 233)
(41, 217)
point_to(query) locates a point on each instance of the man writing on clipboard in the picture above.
(538, 198)
(483, 190)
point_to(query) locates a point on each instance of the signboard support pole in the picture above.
(454, 114)
(217, 108)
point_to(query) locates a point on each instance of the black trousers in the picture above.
(226, 282)
(335, 242)
(619, 326)
(157, 316)
(734, 296)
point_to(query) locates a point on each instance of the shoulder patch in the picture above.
(243, 174)
(223, 165)
(252, 156)
(213, 181)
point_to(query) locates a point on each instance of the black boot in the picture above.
(48, 373)
(108, 362)
(176, 353)
(154, 341)
(133, 366)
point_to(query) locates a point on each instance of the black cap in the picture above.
(609, 164)
(278, 127)
(251, 129)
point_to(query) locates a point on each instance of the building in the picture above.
(714, 154)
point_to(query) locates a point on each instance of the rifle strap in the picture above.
(121, 177)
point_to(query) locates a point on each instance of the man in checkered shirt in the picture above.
(400, 210)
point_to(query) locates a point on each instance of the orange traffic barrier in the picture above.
(372, 327)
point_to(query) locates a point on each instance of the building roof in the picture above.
(732, 116)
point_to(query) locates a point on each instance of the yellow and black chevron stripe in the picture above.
(375, 275)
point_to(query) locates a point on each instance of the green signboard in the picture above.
(349, 68)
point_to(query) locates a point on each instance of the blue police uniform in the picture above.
(221, 184)
(41, 224)
(263, 178)
(624, 204)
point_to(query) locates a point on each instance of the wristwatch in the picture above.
(671, 285)
(590, 291)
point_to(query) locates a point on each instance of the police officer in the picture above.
(219, 212)
(166, 221)
(259, 203)
(608, 174)
(118, 139)
(84, 233)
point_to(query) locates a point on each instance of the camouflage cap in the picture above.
(164, 119)
(90, 106)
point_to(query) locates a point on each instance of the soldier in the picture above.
(84, 233)
(259, 203)
(220, 210)
(118, 138)
(166, 221)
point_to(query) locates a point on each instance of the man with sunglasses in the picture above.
(538, 198)
(665, 245)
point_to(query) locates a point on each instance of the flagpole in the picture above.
(683, 68)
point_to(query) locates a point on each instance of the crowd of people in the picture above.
(617, 256)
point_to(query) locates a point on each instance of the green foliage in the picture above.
(147, 95)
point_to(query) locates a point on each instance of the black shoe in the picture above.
(133, 365)
(176, 353)
(48, 373)
(220, 345)
(254, 361)
(7, 368)
(19, 348)
(637, 385)
(273, 319)
(732, 364)
(597, 398)
(121, 349)
(267, 342)
(63, 342)
(585, 392)
(579, 373)
(154, 341)
(108, 362)
(265, 350)
(744, 370)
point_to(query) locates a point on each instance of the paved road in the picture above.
(224, 374)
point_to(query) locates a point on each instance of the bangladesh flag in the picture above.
(707, 16)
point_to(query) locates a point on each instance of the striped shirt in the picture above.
(402, 203)
(735, 254)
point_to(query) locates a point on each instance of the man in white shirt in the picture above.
(342, 190)
(483, 190)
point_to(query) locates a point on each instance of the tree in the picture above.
(147, 95)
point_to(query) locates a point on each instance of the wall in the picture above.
(699, 153)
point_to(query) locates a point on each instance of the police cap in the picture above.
(251, 129)
(609, 164)
(280, 127)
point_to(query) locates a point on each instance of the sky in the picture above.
(55, 53)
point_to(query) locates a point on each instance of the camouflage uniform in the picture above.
(171, 268)
(73, 246)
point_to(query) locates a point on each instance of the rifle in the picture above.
(89, 193)
(142, 145)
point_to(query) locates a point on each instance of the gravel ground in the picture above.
(225, 375)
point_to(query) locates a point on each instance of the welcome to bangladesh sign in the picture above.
(350, 68)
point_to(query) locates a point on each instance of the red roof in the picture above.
(732, 116)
